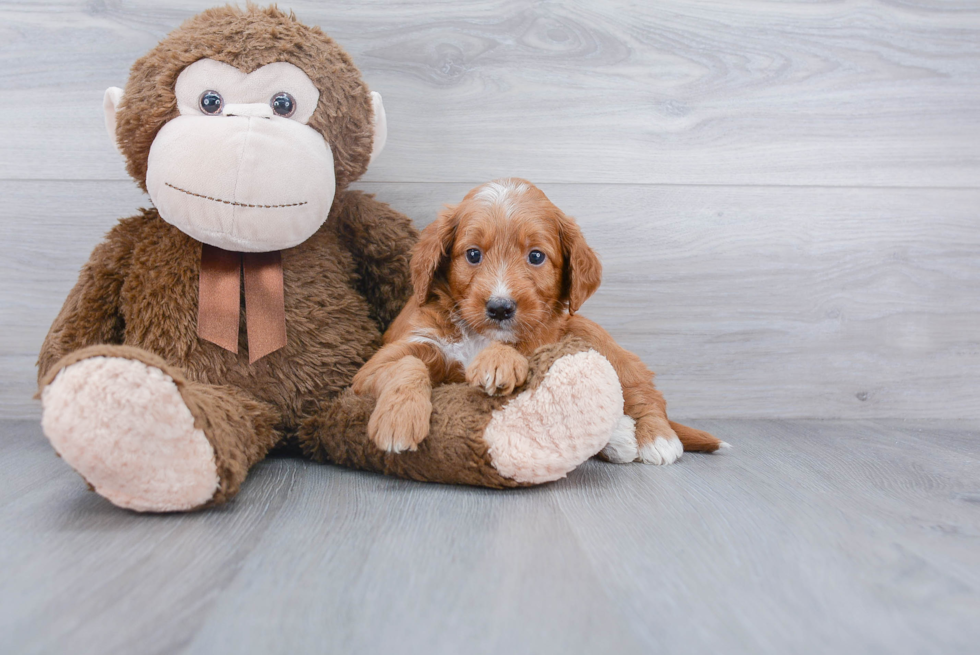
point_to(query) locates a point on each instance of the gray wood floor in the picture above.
(808, 537)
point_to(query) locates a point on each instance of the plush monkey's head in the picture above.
(241, 125)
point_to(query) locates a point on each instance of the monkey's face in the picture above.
(239, 168)
(242, 124)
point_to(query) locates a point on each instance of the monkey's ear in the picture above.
(380, 126)
(110, 103)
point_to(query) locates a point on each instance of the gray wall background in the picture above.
(785, 195)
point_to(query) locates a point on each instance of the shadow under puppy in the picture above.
(497, 276)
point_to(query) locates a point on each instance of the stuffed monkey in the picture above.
(230, 317)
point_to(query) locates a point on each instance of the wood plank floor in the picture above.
(809, 536)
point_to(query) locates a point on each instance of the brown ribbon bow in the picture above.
(220, 298)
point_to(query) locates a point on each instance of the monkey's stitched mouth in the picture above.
(232, 202)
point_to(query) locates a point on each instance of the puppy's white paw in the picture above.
(661, 450)
(622, 448)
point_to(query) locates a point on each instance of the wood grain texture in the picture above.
(748, 301)
(807, 537)
(844, 93)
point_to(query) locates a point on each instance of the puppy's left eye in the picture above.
(283, 104)
(473, 255)
(535, 258)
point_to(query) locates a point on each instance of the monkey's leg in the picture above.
(564, 414)
(147, 439)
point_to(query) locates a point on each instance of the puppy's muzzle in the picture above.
(501, 309)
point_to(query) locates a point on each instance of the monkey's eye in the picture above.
(535, 258)
(473, 255)
(211, 102)
(283, 104)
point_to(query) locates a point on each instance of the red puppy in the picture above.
(495, 277)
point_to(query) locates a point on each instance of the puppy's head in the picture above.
(508, 258)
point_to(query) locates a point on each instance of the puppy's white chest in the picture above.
(463, 350)
(466, 349)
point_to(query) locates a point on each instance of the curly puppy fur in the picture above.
(496, 277)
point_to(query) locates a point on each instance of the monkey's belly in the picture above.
(329, 329)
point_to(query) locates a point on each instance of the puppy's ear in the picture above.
(431, 253)
(582, 271)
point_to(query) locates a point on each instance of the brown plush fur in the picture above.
(450, 305)
(140, 288)
(137, 297)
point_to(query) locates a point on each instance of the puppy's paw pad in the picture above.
(661, 451)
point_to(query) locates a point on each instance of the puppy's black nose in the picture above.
(501, 309)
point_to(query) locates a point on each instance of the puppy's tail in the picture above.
(697, 440)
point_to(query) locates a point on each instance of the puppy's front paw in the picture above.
(498, 370)
(361, 382)
(657, 441)
(400, 420)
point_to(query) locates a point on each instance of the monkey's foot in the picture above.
(550, 429)
(125, 428)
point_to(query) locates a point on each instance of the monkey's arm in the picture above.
(380, 240)
(91, 313)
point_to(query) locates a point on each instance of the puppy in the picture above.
(495, 277)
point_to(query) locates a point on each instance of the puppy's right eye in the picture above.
(473, 255)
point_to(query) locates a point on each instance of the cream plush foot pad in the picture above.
(124, 427)
(543, 434)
